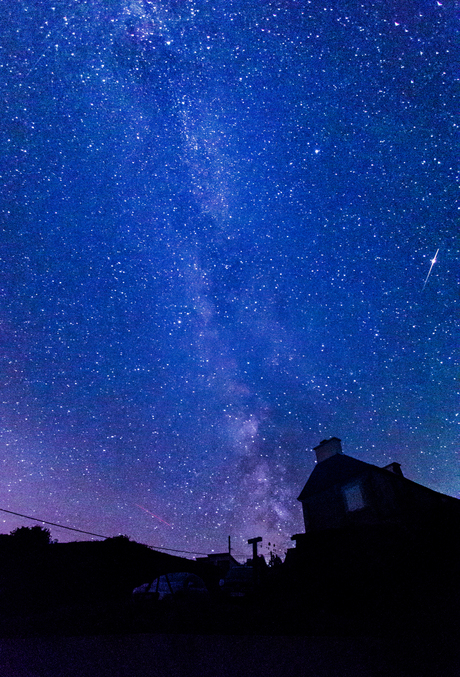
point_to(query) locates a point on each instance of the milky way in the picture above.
(217, 221)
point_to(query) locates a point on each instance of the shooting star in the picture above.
(433, 261)
(151, 513)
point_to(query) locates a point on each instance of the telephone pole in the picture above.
(255, 560)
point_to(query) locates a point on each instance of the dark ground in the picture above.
(179, 655)
(70, 611)
(216, 637)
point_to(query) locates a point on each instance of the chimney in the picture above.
(328, 448)
(394, 468)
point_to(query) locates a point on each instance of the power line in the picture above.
(188, 552)
(90, 533)
(61, 526)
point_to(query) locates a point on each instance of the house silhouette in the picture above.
(376, 544)
(343, 492)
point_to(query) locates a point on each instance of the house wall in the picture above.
(386, 492)
(378, 497)
(323, 511)
(370, 498)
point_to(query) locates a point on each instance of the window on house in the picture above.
(354, 498)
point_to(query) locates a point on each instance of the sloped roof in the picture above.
(340, 469)
(336, 470)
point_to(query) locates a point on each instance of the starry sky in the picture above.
(218, 220)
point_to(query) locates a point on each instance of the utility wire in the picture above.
(90, 533)
(61, 526)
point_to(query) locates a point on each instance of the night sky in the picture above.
(218, 220)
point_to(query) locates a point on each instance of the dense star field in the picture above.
(219, 246)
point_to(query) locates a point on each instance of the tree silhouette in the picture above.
(31, 538)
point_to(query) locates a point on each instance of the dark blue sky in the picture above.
(217, 221)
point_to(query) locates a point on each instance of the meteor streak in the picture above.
(433, 261)
(151, 513)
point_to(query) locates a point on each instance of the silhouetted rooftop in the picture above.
(337, 469)
(340, 469)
